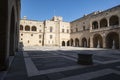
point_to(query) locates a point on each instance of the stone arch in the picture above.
(12, 33)
(76, 42)
(103, 23)
(34, 28)
(95, 25)
(112, 40)
(68, 43)
(71, 42)
(63, 43)
(97, 41)
(27, 28)
(84, 42)
(114, 20)
(21, 27)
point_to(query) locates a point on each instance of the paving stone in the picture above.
(111, 76)
(18, 71)
(39, 77)
(55, 76)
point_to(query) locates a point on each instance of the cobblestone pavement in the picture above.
(60, 63)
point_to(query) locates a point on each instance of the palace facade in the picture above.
(99, 29)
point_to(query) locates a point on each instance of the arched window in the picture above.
(114, 20)
(27, 28)
(51, 29)
(95, 25)
(103, 23)
(34, 28)
(21, 27)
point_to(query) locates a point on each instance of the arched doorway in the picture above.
(84, 42)
(68, 43)
(112, 40)
(63, 43)
(97, 41)
(76, 42)
(12, 33)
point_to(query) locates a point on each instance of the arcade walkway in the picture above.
(45, 63)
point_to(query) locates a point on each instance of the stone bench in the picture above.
(85, 59)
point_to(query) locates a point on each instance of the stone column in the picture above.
(4, 46)
(104, 42)
(91, 42)
(98, 24)
(108, 25)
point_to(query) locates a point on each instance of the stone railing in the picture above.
(105, 28)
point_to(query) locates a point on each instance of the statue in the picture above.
(113, 45)
(98, 45)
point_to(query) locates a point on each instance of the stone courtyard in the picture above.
(60, 63)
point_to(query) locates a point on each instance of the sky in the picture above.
(69, 9)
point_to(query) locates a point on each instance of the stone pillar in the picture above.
(4, 46)
(91, 42)
(104, 42)
(98, 24)
(108, 25)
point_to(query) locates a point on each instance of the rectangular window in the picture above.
(50, 36)
(40, 36)
(76, 29)
(71, 30)
(63, 30)
(67, 31)
(51, 29)
(21, 34)
(31, 34)
(40, 31)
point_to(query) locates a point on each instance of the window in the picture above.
(21, 27)
(31, 34)
(63, 30)
(27, 28)
(83, 28)
(28, 41)
(39, 41)
(34, 28)
(71, 30)
(76, 29)
(67, 31)
(40, 36)
(50, 36)
(21, 34)
(40, 31)
(51, 29)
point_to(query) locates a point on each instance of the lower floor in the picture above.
(97, 39)
(60, 63)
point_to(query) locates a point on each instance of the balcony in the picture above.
(105, 28)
